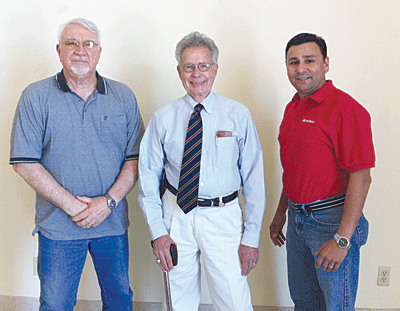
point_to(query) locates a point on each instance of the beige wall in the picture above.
(138, 49)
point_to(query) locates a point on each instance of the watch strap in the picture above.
(338, 239)
(111, 203)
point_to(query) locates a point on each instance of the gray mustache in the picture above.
(80, 59)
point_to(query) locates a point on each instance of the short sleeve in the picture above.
(28, 129)
(354, 146)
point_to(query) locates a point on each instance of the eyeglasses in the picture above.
(203, 67)
(74, 44)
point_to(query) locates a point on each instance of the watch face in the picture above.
(343, 242)
(112, 203)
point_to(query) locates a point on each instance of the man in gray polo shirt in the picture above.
(75, 141)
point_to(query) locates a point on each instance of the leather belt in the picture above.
(220, 201)
(318, 205)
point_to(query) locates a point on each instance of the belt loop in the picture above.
(221, 202)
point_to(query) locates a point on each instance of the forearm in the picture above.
(255, 202)
(283, 203)
(275, 229)
(47, 187)
(356, 194)
(125, 181)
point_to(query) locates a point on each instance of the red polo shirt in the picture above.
(323, 138)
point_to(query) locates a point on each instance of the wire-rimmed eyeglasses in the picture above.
(74, 44)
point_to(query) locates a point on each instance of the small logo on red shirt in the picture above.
(308, 121)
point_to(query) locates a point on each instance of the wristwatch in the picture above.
(110, 202)
(342, 241)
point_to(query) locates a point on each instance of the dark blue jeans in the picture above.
(60, 265)
(319, 290)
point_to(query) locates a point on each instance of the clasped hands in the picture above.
(91, 211)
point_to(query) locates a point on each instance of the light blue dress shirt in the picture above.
(227, 163)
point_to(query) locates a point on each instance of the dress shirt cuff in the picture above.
(250, 239)
(158, 229)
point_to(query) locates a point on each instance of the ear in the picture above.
(215, 68)
(326, 64)
(58, 48)
(179, 69)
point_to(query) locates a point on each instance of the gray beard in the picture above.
(80, 70)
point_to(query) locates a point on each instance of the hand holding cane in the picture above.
(174, 257)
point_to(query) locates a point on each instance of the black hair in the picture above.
(307, 37)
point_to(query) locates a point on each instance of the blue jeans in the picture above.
(313, 289)
(60, 265)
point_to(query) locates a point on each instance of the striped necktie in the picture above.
(188, 189)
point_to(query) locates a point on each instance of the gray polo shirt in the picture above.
(82, 145)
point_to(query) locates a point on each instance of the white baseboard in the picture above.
(14, 303)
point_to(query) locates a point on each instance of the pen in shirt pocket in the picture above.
(222, 134)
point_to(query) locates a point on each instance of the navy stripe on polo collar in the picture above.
(63, 85)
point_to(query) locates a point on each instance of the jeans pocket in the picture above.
(329, 217)
(360, 235)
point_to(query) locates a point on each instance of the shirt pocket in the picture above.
(227, 152)
(113, 128)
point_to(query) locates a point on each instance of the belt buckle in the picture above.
(213, 202)
(219, 204)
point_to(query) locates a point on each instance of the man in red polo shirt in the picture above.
(326, 154)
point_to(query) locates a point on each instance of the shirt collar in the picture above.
(208, 102)
(101, 86)
(319, 95)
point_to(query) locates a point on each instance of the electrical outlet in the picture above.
(383, 276)
(35, 266)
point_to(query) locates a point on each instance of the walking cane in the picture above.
(174, 256)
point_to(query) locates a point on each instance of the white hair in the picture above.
(89, 25)
(196, 39)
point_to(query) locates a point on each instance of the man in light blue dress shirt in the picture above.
(231, 160)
